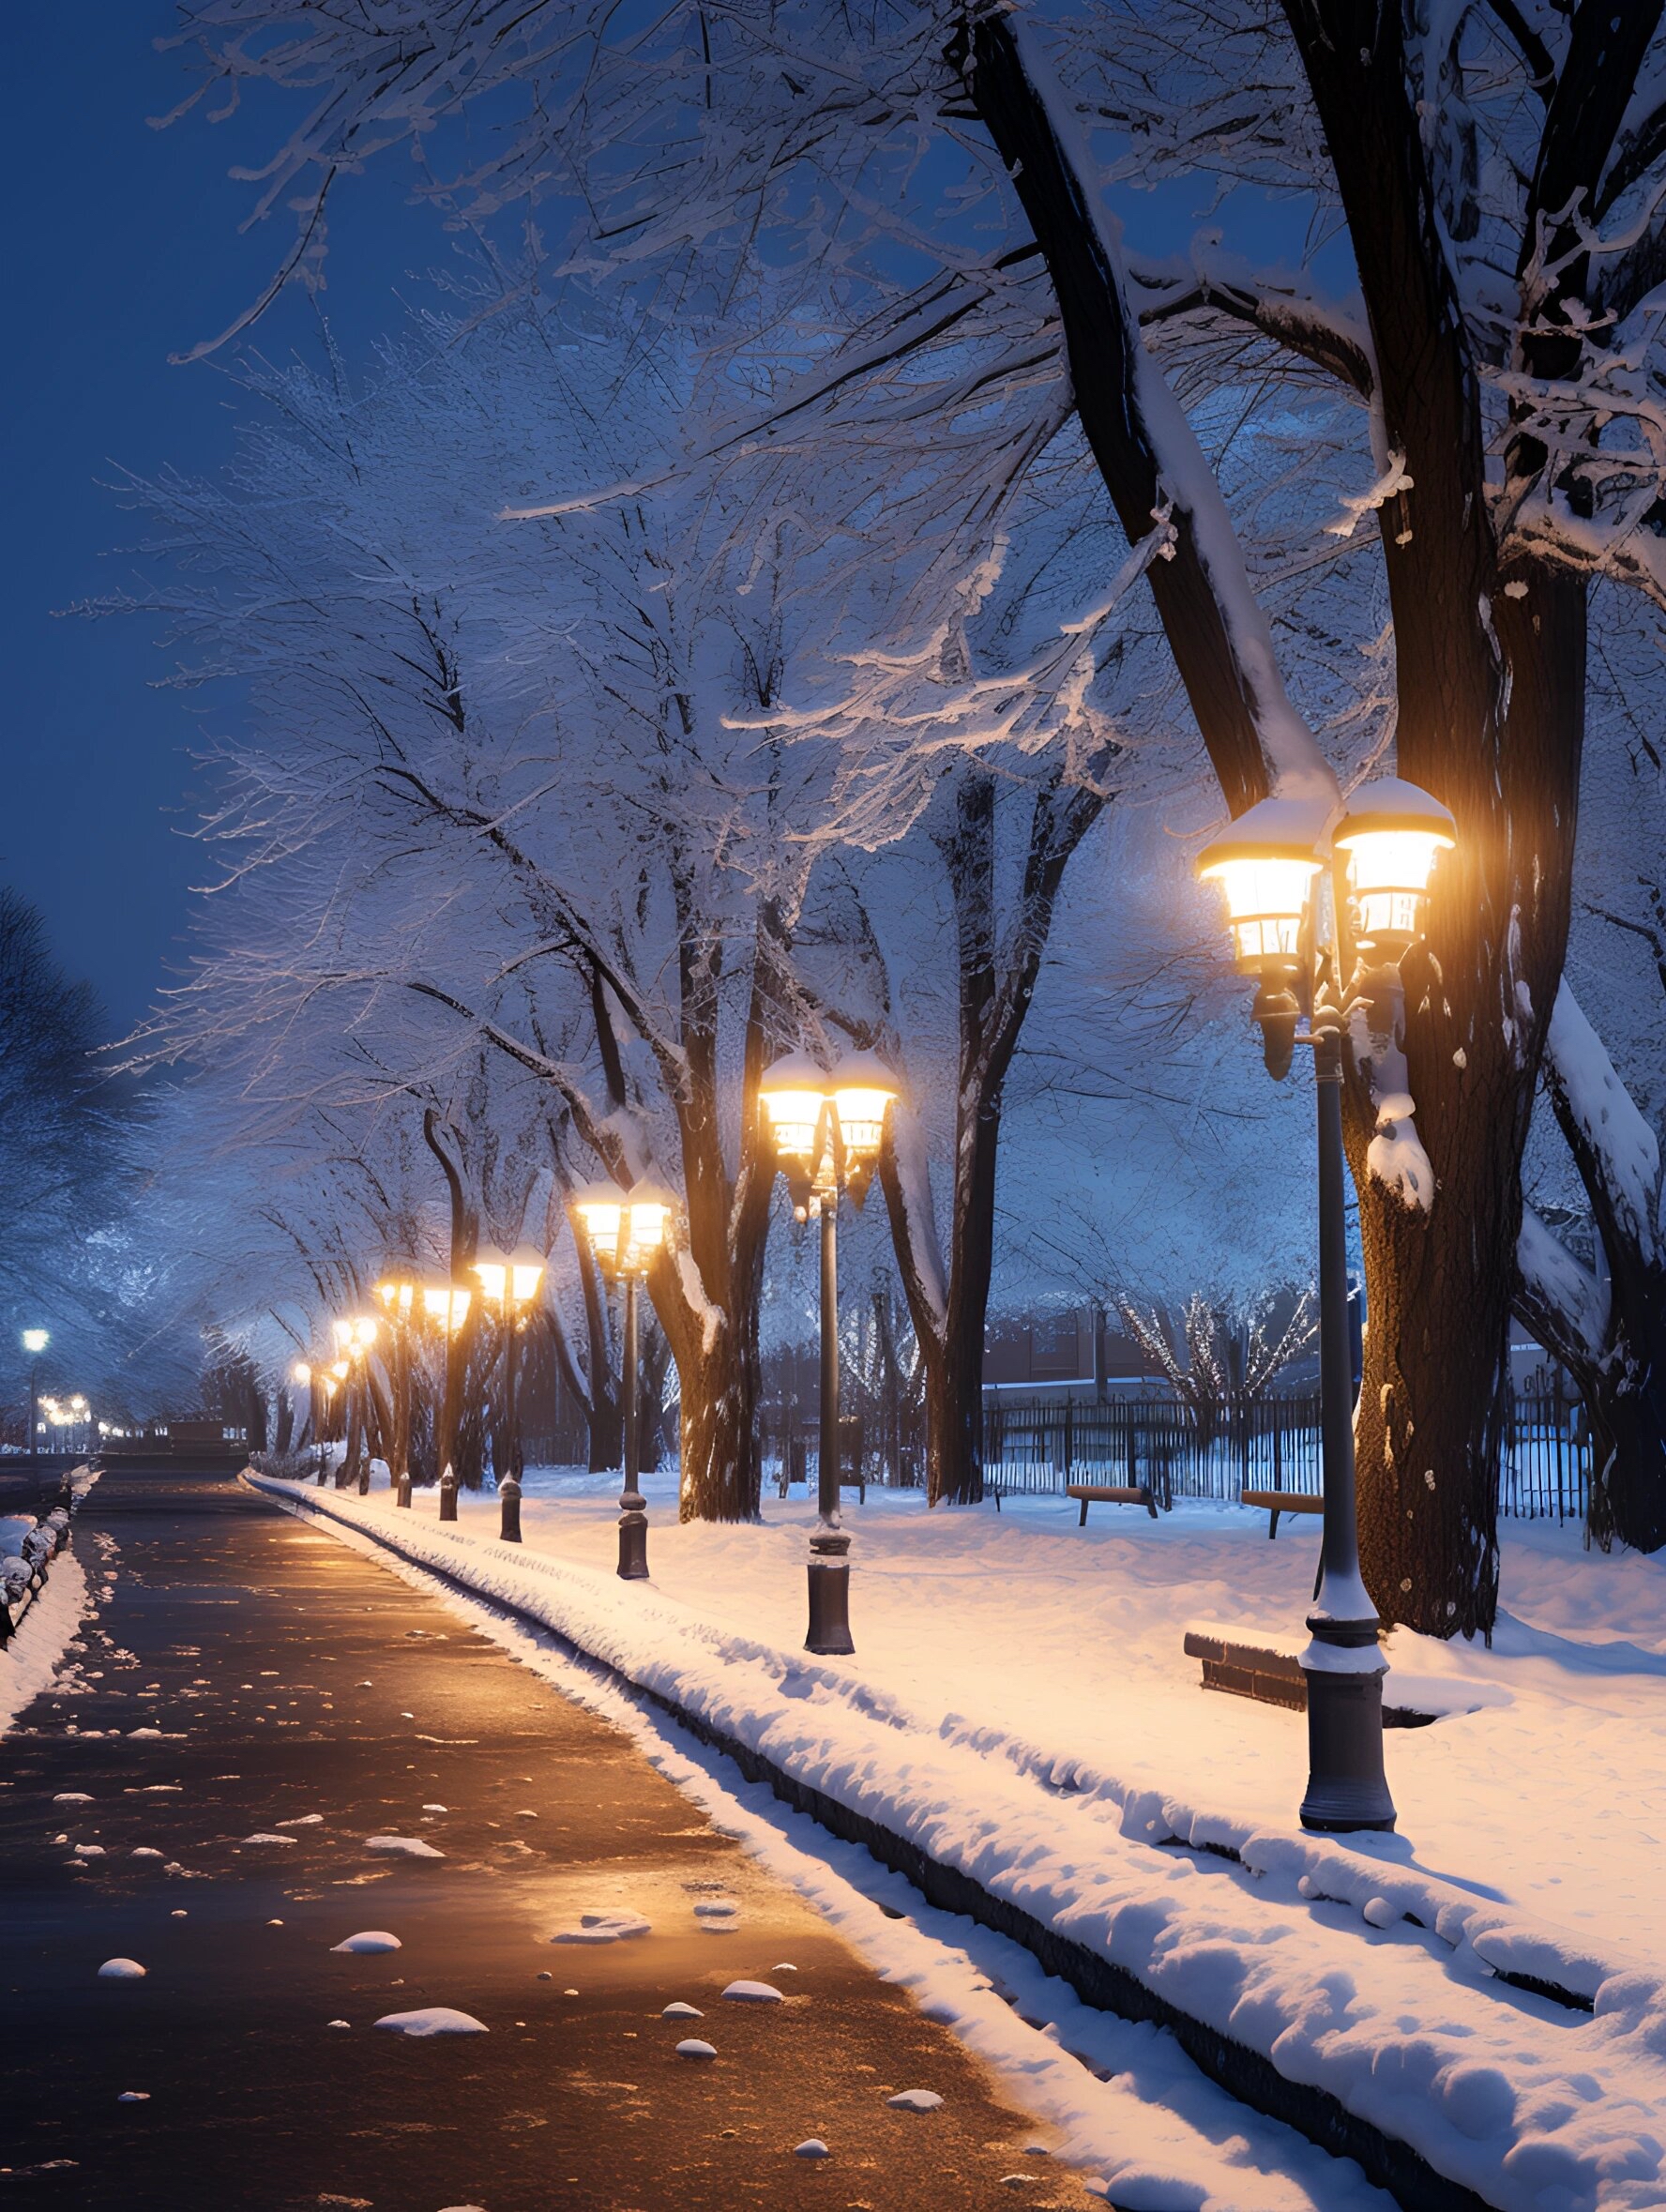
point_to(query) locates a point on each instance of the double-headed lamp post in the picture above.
(828, 1129)
(397, 1292)
(1272, 864)
(625, 1229)
(510, 1281)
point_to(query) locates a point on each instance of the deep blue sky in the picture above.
(123, 248)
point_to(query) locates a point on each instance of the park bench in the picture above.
(1274, 1502)
(1111, 1493)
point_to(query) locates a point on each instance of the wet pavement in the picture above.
(244, 1678)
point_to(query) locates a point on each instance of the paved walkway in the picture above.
(244, 1676)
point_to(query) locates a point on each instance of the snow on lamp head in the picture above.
(1391, 831)
(1265, 863)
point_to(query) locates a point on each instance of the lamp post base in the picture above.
(449, 1495)
(1347, 1789)
(829, 1634)
(508, 1493)
(633, 1537)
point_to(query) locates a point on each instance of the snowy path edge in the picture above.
(1390, 2160)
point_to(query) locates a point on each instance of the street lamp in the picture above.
(34, 1343)
(1267, 863)
(626, 1228)
(828, 1129)
(510, 1281)
(398, 1293)
(446, 1307)
(302, 1376)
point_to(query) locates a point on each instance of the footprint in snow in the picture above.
(369, 1942)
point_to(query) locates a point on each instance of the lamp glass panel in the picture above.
(302, 1372)
(525, 1279)
(1388, 872)
(1266, 901)
(795, 1119)
(601, 1218)
(647, 1229)
(861, 1113)
(493, 1275)
(364, 1333)
(436, 1302)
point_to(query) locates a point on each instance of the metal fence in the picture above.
(1038, 1447)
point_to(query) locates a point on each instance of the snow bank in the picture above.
(1397, 2013)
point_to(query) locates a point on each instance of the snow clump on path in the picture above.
(433, 2020)
(369, 1941)
(121, 1970)
(401, 1846)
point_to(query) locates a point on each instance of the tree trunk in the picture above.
(1625, 1395)
(954, 1418)
(722, 1461)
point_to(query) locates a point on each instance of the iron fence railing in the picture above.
(1039, 1447)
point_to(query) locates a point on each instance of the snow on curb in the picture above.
(1390, 2009)
(35, 1653)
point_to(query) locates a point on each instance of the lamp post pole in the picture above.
(1269, 863)
(633, 1506)
(34, 1343)
(829, 1545)
(509, 1487)
(1343, 1666)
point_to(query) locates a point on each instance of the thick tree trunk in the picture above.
(1625, 1395)
(722, 1462)
(954, 1419)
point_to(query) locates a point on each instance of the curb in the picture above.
(1245, 2074)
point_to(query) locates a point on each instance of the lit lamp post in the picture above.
(82, 1412)
(301, 1375)
(510, 1281)
(1268, 864)
(398, 1293)
(827, 1131)
(34, 1343)
(446, 1306)
(626, 1228)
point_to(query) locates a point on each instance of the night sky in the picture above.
(125, 248)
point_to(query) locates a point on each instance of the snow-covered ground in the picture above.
(1071, 1639)
(1021, 1706)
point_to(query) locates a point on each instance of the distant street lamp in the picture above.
(828, 1129)
(625, 1230)
(510, 1280)
(301, 1375)
(446, 1306)
(34, 1343)
(398, 1292)
(1267, 862)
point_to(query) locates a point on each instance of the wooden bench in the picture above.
(1274, 1502)
(1109, 1493)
